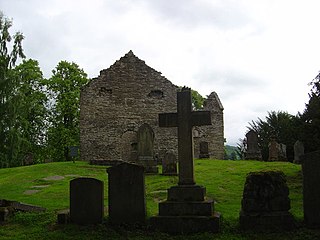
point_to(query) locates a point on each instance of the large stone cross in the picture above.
(185, 119)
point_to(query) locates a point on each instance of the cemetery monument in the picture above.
(186, 210)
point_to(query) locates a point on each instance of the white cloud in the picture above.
(257, 55)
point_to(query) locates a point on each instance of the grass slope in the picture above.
(223, 180)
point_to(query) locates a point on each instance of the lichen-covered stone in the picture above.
(266, 200)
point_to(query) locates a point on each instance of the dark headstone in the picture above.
(204, 150)
(145, 148)
(273, 150)
(311, 190)
(265, 203)
(127, 203)
(298, 151)
(186, 210)
(283, 152)
(253, 151)
(86, 201)
(169, 164)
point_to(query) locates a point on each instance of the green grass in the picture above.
(223, 180)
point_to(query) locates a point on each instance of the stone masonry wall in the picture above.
(114, 105)
(214, 134)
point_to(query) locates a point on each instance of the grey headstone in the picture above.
(273, 150)
(311, 190)
(253, 151)
(282, 152)
(127, 203)
(145, 138)
(145, 141)
(86, 201)
(169, 164)
(298, 151)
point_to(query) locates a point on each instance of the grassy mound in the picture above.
(224, 181)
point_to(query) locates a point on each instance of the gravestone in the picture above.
(282, 152)
(265, 203)
(86, 201)
(311, 191)
(298, 151)
(186, 210)
(145, 148)
(253, 151)
(273, 150)
(204, 150)
(126, 189)
(169, 164)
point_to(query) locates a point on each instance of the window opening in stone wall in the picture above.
(156, 94)
(134, 146)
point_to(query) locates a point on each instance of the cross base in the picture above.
(186, 211)
(186, 224)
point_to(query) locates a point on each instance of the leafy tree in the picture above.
(31, 106)
(64, 91)
(311, 118)
(9, 133)
(197, 100)
(281, 125)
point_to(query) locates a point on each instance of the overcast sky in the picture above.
(259, 56)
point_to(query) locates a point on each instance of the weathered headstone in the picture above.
(282, 152)
(145, 148)
(186, 210)
(265, 203)
(253, 151)
(273, 150)
(298, 151)
(169, 164)
(311, 191)
(204, 150)
(127, 203)
(86, 201)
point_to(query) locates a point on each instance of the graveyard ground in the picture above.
(47, 185)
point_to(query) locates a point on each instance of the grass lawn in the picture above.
(223, 180)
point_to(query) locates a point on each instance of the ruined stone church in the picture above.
(130, 94)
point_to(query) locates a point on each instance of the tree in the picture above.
(31, 106)
(311, 118)
(281, 125)
(197, 100)
(9, 134)
(64, 91)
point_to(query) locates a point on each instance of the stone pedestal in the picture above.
(186, 211)
(266, 222)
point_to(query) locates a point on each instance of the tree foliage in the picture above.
(10, 136)
(64, 91)
(197, 100)
(281, 125)
(311, 118)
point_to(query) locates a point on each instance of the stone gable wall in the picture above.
(115, 104)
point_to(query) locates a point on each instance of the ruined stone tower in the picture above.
(127, 95)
